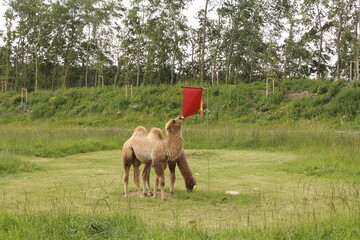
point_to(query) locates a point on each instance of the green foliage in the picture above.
(12, 164)
(42, 110)
(346, 103)
(299, 99)
(60, 142)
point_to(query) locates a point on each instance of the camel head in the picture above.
(174, 125)
(190, 183)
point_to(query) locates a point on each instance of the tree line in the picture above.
(94, 43)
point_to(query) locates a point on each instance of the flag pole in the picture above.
(207, 137)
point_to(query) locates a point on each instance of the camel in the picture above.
(185, 171)
(152, 149)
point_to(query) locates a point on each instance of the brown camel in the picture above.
(151, 148)
(185, 171)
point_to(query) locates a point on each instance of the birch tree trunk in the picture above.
(202, 70)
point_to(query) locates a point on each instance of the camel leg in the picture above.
(136, 165)
(146, 179)
(156, 186)
(162, 181)
(126, 180)
(172, 165)
(160, 178)
(127, 162)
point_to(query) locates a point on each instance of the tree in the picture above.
(315, 17)
(203, 42)
(342, 15)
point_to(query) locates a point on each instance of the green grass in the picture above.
(295, 162)
(332, 103)
(12, 164)
(123, 226)
(50, 141)
(272, 204)
(322, 151)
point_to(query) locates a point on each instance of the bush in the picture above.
(299, 106)
(41, 110)
(276, 97)
(346, 103)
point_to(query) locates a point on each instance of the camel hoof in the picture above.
(164, 199)
(171, 192)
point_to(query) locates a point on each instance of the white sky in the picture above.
(190, 13)
(2, 19)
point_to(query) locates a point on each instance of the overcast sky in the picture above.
(190, 13)
(2, 19)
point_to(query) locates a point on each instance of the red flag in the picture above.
(191, 101)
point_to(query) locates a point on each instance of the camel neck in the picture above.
(174, 143)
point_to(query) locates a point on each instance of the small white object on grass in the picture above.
(196, 174)
(232, 192)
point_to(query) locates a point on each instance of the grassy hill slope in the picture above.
(336, 103)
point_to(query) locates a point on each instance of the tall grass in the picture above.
(12, 164)
(65, 225)
(59, 141)
(324, 152)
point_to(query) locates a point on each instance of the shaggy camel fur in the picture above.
(185, 171)
(151, 148)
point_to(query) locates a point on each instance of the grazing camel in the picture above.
(185, 171)
(151, 148)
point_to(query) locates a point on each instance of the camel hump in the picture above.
(156, 133)
(140, 131)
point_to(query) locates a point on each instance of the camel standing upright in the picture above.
(152, 148)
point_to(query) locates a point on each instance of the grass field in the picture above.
(80, 196)
(293, 158)
(294, 182)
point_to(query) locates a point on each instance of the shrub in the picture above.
(41, 110)
(346, 103)
(276, 97)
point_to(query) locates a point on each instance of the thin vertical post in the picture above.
(267, 88)
(207, 137)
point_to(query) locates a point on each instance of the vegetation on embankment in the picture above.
(335, 103)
